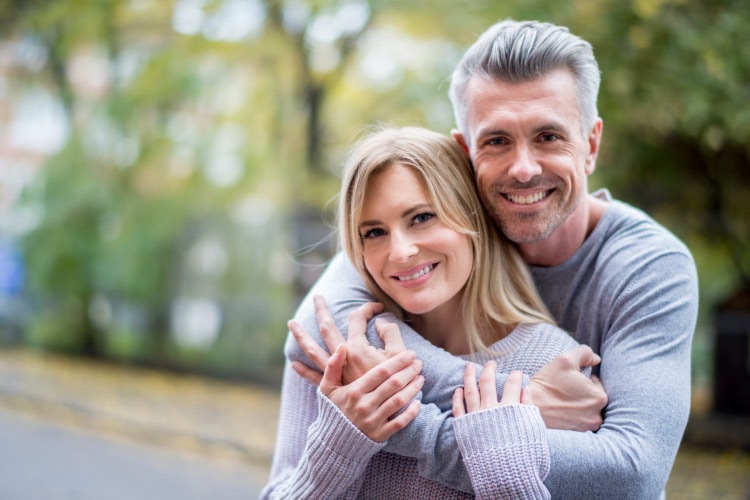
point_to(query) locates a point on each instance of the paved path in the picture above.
(159, 408)
(43, 460)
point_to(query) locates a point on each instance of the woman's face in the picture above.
(415, 258)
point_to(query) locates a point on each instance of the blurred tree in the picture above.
(204, 138)
(675, 75)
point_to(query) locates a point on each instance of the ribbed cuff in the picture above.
(504, 426)
(339, 435)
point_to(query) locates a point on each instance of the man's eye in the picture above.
(497, 141)
(549, 137)
(372, 233)
(423, 217)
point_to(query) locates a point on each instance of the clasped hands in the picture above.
(370, 384)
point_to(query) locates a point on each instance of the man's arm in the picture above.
(429, 438)
(646, 372)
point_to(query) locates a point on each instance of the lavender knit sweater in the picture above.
(320, 454)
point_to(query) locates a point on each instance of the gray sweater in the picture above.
(630, 292)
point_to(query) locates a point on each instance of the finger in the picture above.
(582, 356)
(487, 386)
(471, 393)
(304, 371)
(334, 370)
(358, 321)
(312, 350)
(393, 385)
(459, 410)
(391, 405)
(599, 390)
(512, 389)
(328, 330)
(374, 378)
(391, 336)
(400, 421)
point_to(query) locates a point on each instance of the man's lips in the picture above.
(527, 198)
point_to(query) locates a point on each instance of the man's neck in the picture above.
(568, 238)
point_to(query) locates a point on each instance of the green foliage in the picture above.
(182, 140)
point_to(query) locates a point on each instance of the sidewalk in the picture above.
(164, 409)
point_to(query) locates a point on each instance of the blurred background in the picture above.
(168, 169)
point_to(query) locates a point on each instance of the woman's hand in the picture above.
(370, 401)
(361, 355)
(470, 398)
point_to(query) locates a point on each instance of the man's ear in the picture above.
(594, 140)
(459, 138)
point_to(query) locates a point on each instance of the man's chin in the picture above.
(525, 234)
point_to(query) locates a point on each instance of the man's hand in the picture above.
(566, 398)
(361, 355)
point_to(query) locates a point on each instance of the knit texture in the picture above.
(335, 460)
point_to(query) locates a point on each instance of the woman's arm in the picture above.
(503, 443)
(351, 420)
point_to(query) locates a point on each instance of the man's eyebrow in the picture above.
(556, 126)
(490, 133)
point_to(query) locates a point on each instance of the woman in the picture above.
(413, 226)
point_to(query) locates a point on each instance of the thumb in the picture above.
(391, 336)
(583, 356)
(334, 371)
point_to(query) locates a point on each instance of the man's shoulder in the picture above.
(630, 233)
(633, 251)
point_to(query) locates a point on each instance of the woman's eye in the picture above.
(423, 217)
(372, 233)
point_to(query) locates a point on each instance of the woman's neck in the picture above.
(443, 327)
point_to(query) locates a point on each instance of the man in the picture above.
(524, 98)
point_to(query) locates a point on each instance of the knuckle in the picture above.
(362, 409)
(394, 383)
(399, 400)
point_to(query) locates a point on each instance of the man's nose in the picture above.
(525, 166)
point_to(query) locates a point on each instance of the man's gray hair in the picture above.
(515, 52)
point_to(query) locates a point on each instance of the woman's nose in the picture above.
(403, 247)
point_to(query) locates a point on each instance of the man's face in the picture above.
(530, 158)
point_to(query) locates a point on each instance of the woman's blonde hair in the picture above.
(499, 288)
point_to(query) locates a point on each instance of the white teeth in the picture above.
(526, 200)
(417, 274)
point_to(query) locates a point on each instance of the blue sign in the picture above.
(11, 270)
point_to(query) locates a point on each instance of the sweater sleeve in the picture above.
(319, 452)
(505, 451)
(645, 370)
